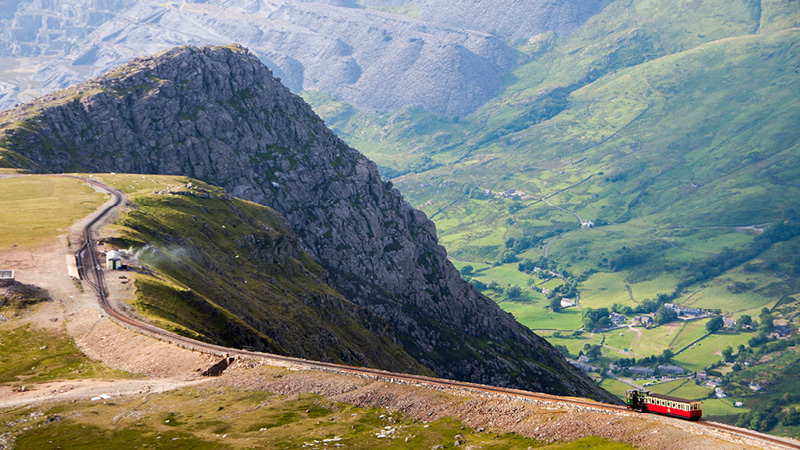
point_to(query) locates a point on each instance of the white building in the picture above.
(6, 277)
(113, 260)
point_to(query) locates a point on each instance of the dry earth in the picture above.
(542, 420)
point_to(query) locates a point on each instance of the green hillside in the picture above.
(671, 127)
(231, 272)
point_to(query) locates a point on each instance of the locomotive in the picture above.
(646, 401)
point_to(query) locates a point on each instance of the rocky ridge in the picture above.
(218, 114)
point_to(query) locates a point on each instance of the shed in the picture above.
(6, 277)
(113, 260)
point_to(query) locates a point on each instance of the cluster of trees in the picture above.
(754, 353)
(729, 258)
(592, 351)
(647, 305)
(596, 318)
(766, 416)
(665, 315)
(649, 361)
(512, 292)
(568, 289)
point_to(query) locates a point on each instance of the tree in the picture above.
(744, 321)
(647, 306)
(666, 315)
(479, 285)
(508, 257)
(563, 350)
(727, 354)
(766, 322)
(555, 304)
(667, 355)
(467, 270)
(513, 292)
(715, 324)
(596, 318)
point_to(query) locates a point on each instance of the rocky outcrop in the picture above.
(217, 114)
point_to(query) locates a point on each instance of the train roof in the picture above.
(671, 398)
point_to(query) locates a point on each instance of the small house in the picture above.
(719, 393)
(781, 330)
(617, 318)
(584, 367)
(729, 323)
(738, 404)
(6, 277)
(755, 387)
(672, 370)
(647, 320)
(567, 302)
(702, 375)
(113, 260)
(584, 359)
(641, 372)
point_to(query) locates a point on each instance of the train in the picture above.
(646, 401)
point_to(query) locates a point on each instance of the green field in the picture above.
(43, 208)
(617, 388)
(621, 338)
(573, 344)
(683, 389)
(708, 350)
(538, 317)
(722, 407)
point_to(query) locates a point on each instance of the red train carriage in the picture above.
(646, 401)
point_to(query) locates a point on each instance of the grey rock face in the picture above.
(217, 114)
(373, 60)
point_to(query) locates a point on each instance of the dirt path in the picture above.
(75, 390)
(74, 310)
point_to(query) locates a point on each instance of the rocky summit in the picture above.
(218, 114)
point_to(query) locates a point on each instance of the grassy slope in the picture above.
(224, 418)
(230, 272)
(30, 355)
(43, 208)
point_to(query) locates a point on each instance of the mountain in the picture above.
(218, 115)
(632, 119)
(375, 60)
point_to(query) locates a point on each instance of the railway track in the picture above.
(91, 272)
